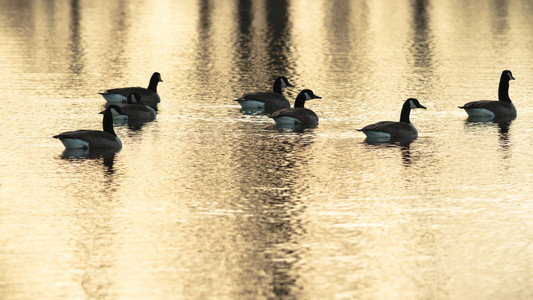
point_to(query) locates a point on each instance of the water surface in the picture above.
(209, 203)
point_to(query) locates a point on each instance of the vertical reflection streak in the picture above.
(117, 42)
(243, 44)
(278, 30)
(500, 12)
(75, 46)
(245, 34)
(340, 40)
(205, 44)
(500, 30)
(422, 42)
(273, 167)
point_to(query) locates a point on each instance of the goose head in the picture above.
(506, 74)
(284, 82)
(413, 103)
(309, 95)
(115, 110)
(303, 96)
(157, 76)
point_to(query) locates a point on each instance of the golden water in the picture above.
(209, 203)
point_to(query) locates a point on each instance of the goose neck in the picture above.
(503, 90)
(300, 101)
(277, 87)
(153, 84)
(406, 111)
(108, 122)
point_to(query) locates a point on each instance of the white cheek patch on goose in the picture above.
(413, 105)
(114, 112)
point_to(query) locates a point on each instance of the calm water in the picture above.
(209, 203)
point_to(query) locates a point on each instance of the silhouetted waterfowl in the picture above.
(134, 110)
(502, 109)
(394, 131)
(93, 139)
(267, 102)
(298, 117)
(149, 95)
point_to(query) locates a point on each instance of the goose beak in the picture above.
(421, 106)
(317, 97)
(512, 78)
(289, 85)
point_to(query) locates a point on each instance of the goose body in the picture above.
(501, 109)
(134, 110)
(94, 139)
(394, 131)
(298, 117)
(267, 102)
(148, 95)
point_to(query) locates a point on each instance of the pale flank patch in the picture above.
(377, 135)
(120, 119)
(115, 98)
(251, 104)
(287, 122)
(75, 144)
(479, 112)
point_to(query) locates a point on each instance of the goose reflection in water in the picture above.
(107, 156)
(472, 124)
(404, 147)
(503, 130)
(403, 143)
(136, 125)
(477, 122)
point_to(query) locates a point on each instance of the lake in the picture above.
(208, 202)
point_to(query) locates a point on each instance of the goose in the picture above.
(94, 139)
(149, 95)
(267, 102)
(394, 131)
(501, 109)
(134, 110)
(297, 117)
